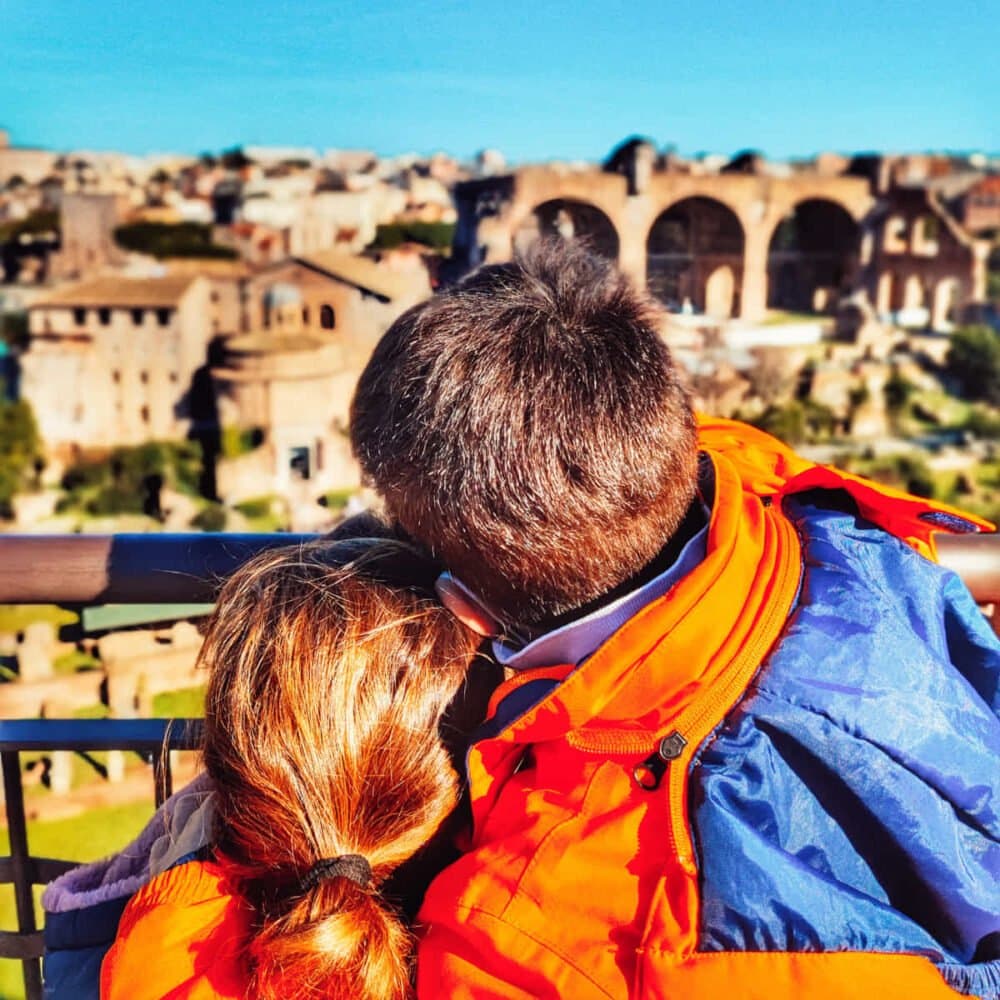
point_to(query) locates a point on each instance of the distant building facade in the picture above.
(311, 325)
(111, 361)
(980, 206)
(87, 225)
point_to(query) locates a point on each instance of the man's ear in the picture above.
(465, 605)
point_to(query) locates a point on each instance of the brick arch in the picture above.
(694, 255)
(571, 218)
(813, 254)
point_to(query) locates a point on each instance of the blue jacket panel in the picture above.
(851, 800)
(75, 945)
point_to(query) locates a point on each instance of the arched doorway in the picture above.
(570, 220)
(694, 257)
(813, 257)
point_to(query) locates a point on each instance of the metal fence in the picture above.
(80, 570)
(153, 739)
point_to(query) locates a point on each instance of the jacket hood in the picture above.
(181, 826)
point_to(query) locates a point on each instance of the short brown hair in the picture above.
(529, 427)
(331, 666)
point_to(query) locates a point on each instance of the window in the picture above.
(305, 315)
(163, 317)
(116, 376)
(144, 378)
(144, 414)
(174, 377)
(79, 316)
(104, 316)
(215, 295)
(137, 315)
(298, 462)
(327, 317)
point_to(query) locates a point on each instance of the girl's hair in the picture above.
(331, 666)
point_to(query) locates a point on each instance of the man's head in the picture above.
(529, 428)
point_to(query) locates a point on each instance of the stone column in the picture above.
(34, 654)
(493, 235)
(633, 230)
(753, 294)
(980, 257)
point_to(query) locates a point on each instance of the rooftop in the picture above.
(365, 274)
(116, 291)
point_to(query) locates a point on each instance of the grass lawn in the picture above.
(85, 837)
(14, 617)
(187, 703)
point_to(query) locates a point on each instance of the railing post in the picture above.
(21, 864)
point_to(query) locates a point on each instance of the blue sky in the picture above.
(533, 78)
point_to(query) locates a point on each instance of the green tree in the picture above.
(14, 329)
(898, 392)
(164, 239)
(130, 479)
(436, 235)
(974, 360)
(20, 450)
(39, 221)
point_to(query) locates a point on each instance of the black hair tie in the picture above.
(349, 866)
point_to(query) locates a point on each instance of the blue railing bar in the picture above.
(142, 735)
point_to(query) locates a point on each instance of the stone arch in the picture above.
(569, 219)
(812, 257)
(694, 257)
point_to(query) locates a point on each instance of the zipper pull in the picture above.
(649, 774)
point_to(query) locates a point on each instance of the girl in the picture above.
(331, 666)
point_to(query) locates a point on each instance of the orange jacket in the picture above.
(577, 881)
(180, 937)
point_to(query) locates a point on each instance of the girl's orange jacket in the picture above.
(181, 936)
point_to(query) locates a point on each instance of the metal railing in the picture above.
(79, 570)
(153, 739)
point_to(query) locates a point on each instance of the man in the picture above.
(749, 745)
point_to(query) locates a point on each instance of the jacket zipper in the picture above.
(672, 754)
(699, 720)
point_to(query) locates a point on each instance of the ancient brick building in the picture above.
(736, 242)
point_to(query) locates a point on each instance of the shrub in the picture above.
(129, 480)
(20, 450)
(238, 441)
(255, 506)
(798, 421)
(165, 239)
(336, 500)
(436, 235)
(983, 423)
(974, 359)
(898, 392)
(210, 518)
